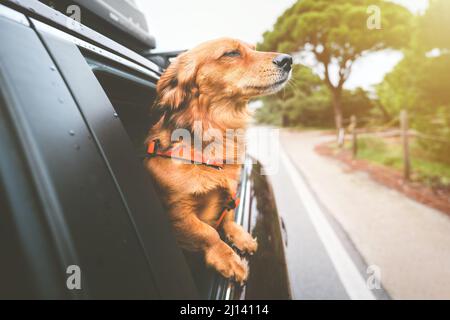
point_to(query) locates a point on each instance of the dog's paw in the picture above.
(244, 242)
(222, 258)
(240, 238)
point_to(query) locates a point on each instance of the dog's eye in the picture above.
(234, 53)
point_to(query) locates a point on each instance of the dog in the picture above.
(206, 88)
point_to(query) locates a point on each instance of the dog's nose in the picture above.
(283, 61)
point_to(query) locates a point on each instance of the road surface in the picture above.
(344, 228)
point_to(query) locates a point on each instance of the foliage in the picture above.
(335, 32)
(434, 26)
(303, 102)
(307, 102)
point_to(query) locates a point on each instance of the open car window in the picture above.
(131, 96)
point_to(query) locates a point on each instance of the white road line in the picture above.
(349, 275)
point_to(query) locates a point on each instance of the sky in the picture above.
(182, 24)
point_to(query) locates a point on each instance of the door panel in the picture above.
(83, 210)
(171, 274)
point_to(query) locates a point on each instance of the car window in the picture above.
(131, 96)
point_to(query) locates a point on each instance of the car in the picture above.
(74, 194)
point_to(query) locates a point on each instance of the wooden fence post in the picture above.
(353, 124)
(341, 137)
(405, 142)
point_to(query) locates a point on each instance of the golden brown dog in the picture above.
(207, 88)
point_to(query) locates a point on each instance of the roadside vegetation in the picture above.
(388, 152)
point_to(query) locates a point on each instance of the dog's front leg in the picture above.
(233, 231)
(196, 235)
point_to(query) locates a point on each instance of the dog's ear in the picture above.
(177, 84)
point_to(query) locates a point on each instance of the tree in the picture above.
(337, 33)
(399, 89)
(419, 83)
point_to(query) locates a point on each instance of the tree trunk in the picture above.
(336, 95)
(285, 120)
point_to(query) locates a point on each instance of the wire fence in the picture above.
(397, 127)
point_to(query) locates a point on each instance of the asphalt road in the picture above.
(322, 261)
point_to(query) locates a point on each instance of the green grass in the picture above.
(378, 150)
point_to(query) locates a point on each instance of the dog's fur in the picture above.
(210, 84)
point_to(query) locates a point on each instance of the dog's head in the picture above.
(222, 69)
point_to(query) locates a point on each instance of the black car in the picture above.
(74, 114)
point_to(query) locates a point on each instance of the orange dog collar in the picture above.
(153, 150)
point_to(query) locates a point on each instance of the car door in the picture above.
(74, 191)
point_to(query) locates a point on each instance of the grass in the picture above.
(388, 152)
